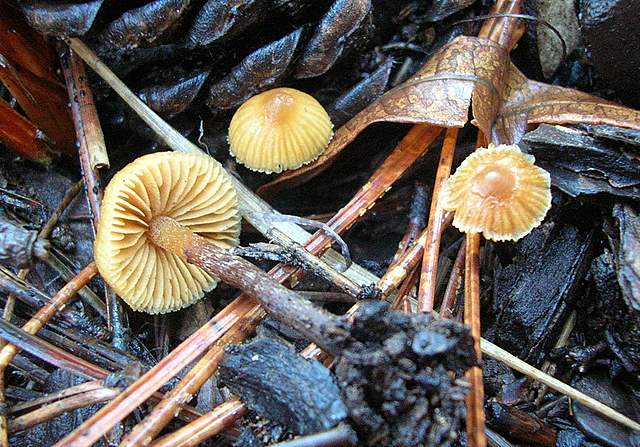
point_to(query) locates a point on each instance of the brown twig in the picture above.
(455, 278)
(65, 272)
(427, 289)
(204, 427)
(402, 300)
(417, 221)
(407, 261)
(52, 397)
(521, 426)
(316, 265)
(85, 116)
(475, 400)
(93, 155)
(48, 352)
(68, 404)
(340, 436)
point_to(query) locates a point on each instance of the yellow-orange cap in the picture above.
(279, 129)
(498, 192)
(192, 189)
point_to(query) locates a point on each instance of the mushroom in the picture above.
(279, 129)
(190, 188)
(498, 192)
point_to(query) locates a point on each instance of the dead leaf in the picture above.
(562, 15)
(531, 102)
(444, 8)
(20, 44)
(627, 257)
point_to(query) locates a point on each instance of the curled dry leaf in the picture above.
(60, 19)
(144, 24)
(172, 98)
(361, 95)
(526, 101)
(504, 102)
(220, 19)
(258, 71)
(327, 44)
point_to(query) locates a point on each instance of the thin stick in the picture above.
(417, 221)
(202, 428)
(450, 294)
(164, 412)
(85, 116)
(427, 289)
(402, 300)
(407, 261)
(52, 397)
(87, 295)
(62, 406)
(340, 436)
(475, 400)
(93, 155)
(49, 352)
(316, 265)
(515, 363)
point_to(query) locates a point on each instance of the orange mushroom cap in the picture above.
(192, 189)
(498, 192)
(279, 129)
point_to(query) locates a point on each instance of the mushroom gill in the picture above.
(190, 188)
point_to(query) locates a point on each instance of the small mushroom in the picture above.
(498, 192)
(279, 129)
(191, 189)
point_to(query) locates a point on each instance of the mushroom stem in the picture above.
(326, 330)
